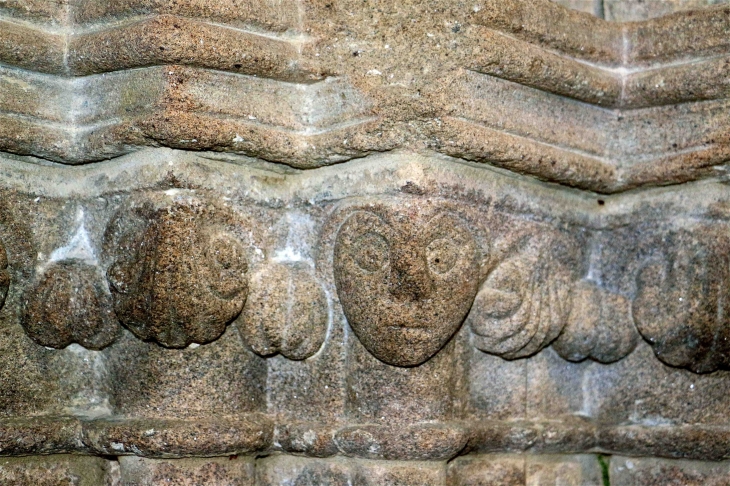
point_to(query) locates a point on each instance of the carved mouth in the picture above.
(416, 326)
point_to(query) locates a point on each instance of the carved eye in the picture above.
(371, 252)
(442, 254)
(226, 254)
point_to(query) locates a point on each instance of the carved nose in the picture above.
(410, 279)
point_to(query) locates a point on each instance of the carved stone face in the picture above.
(406, 280)
(179, 277)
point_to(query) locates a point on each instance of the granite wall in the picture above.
(315, 242)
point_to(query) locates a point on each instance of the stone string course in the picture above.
(384, 243)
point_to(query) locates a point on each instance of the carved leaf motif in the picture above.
(523, 304)
(179, 277)
(70, 304)
(286, 312)
(406, 281)
(681, 303)
(599, 326)
(4, 275)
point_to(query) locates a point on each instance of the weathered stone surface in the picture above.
(71, 304)
(641, 471)
(416, 442)
(57, 471)
(175, 281)
(679, 307)
(4, 276)
(171, 438)
(599, 326)
(633, 10)
(406, 279)
(286, 312)
(223, 378)
(279, 470)
(227, 471)
(525, 301)
(350, 183)
(392, 94)
(525, 470)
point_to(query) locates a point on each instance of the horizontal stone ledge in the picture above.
(261, 14)
(257, 434)
(694, 79)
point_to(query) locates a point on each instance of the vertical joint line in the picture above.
(599, 9)
(68, 25)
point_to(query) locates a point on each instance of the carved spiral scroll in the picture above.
(682, 302)
(524, 302)
(179, 276)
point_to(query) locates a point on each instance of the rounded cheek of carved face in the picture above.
(452, 263)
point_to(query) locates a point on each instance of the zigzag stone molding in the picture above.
(310, 93)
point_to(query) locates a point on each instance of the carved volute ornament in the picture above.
(525, 300)
(179, 274)
(682, 301)
(406, 279)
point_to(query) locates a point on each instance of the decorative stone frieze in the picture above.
(271, 242)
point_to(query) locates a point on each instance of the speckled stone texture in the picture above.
(346, 243)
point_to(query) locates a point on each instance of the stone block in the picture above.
(225, 471)
(57, 470)
(642, 471)
(636, 10)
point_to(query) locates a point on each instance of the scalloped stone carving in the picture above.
(599, 326)
(406, 280)
(70, 303)
(286, 312)
(681, 302)
(524, 302)
(180, 275)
